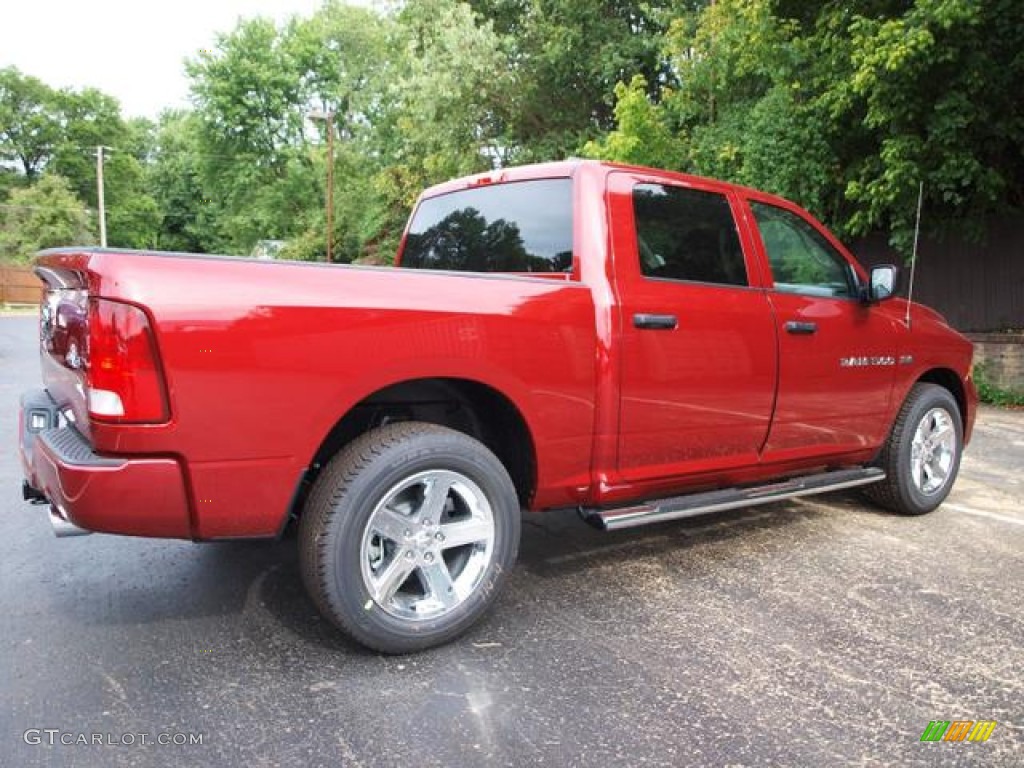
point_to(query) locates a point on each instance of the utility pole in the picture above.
(328, 118)
(99, 196)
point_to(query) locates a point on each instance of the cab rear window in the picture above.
(523, 226)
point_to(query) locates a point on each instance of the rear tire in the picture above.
(408, 535)
(921, 457)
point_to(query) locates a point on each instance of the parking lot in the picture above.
(818, 632)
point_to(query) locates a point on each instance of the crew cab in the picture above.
(636, 344)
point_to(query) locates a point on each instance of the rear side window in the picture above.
(523, 226)
(687, 234)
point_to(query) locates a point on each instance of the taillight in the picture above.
(124, 383)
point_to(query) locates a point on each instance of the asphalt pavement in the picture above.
(819, 632)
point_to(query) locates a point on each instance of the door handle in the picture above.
(655, 322)
(799, 328)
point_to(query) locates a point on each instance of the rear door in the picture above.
(698, 352)
(837, 355)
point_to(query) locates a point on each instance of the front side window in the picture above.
(523, 226)
(687, 234)
(802, 260)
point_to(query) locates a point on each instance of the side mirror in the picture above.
(883, 282)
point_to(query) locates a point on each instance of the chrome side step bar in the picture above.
(677, 507)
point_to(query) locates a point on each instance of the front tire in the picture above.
(921, 457)
(408, 535)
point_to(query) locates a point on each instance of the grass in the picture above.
(991, 393)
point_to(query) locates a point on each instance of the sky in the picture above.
(133, 50)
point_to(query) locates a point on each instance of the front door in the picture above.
(698, 360)
(837, 355)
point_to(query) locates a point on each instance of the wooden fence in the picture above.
(18, 285)
(977, 286)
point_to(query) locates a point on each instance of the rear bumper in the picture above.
(136, 497)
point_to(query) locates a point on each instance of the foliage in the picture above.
(188, 220)
(255, 171)
(45, 215)
(29, 130)
(445, 104)
(90, 119)
(564, 58)
(46, 130)
(642, 136)
(842, 107)
(936, 85)
(846, 108)
(989, 392)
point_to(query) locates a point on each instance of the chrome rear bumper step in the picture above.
(677, 507)
(62, 527)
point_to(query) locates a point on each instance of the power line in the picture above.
(11, 206)
(144, 155)
(117, 212)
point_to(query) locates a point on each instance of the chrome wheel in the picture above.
(408, 535)
(933, 451)
(427, 545)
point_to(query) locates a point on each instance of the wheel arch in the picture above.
(948, 379)
(465, 405)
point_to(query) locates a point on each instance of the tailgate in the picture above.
(64, 338)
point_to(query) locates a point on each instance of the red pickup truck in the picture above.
(636, 344)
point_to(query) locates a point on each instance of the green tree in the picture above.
(57, 131)
(30, 125)
(248, 117)
(346, 65)
(937, 87)
(844, 108)
(45, 215)
(565, 57)
(443, 115)
(92, 119)
(643, 135)
(259, 173)
(173, 179)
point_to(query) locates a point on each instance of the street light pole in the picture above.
(328, 118)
